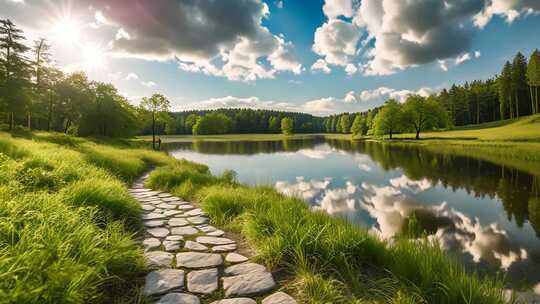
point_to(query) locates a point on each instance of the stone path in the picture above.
(192, 261)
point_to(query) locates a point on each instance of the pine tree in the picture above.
(519, 82)
(41, 70)
(533, 79)
(15, 68)
(505, 91)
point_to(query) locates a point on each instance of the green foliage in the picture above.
(66, 220)
(359, 126)
(345, 123)
(287, 126)
(389, 119)
(421, 113)
(212, 123)
(107, 114)
(273, 124)
(533, 80)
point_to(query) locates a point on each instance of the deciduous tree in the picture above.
(287, 126)
(157, 105)
(420, 113)
(388, 119)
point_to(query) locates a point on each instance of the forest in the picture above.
(36, 94)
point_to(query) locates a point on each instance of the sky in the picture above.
(316, 56)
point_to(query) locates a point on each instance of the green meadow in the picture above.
(67, 222)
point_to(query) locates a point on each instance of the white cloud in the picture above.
(382, 94)
(443, 65)
(321, 65)
(336, 41)
(132, 76)
(509, 9)
(461, 59)
(388, 35)
(149, 84)
(335, 8)
(350, 97)
(351, 69)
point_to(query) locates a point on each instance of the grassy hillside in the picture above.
(518, 130)
(67, 221)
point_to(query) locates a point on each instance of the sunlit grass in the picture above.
(524, 129)
(67, 220)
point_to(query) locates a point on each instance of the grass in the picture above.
(328, 260)
(67, 221)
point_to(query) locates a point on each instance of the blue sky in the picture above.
(262, 55)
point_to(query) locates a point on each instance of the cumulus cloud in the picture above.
(508, 9)
(149, 84)
(321, 65)
(382, 94)
(461, 59)
(388, 36)
(135, 77)
(335, 8)
(199, 35)
(336, 41)
(132, 76)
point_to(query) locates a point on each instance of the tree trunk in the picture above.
(417, 134)
(517, 105)
(153, 130)
(49, 115)
(29, 120)
(68, 123)
(11, 121)
(533, 110)
(536, 97)
(390, 134)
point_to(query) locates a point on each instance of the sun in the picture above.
(67, 30)
(93, 57)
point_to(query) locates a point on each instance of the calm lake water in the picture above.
(486, 214)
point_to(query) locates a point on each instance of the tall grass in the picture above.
(328, 259)
(67, 220)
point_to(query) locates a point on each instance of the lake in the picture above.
(486, 214)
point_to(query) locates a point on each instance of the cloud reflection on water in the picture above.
(391, 205)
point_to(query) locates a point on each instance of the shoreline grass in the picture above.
(66, 219)
(330, 260)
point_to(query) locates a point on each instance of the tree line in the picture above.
(512, 94)
(237, 121)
